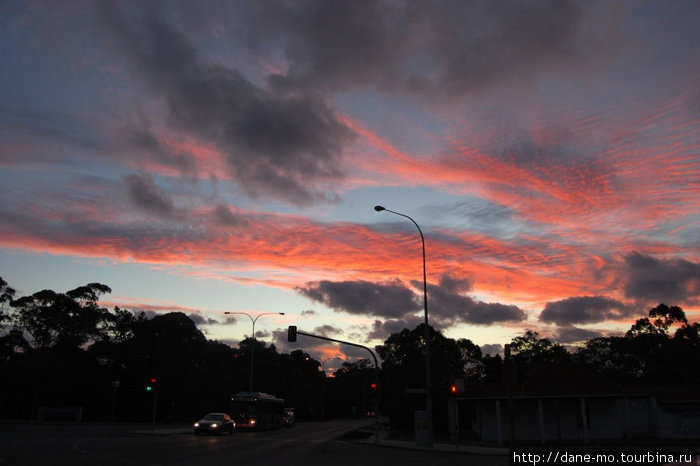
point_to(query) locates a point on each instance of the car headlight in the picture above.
(252, 422)
(214, 426)
(196, 424)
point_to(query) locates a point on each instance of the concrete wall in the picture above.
(550, 420)
(679, 420)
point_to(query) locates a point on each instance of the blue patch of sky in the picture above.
(399, 121)
(358, 205)
(25, 271)
(479, 216)
(48, 82)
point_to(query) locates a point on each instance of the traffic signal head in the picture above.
(457, 387)
(292, 333)
(151, 385)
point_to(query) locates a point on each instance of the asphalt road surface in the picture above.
(307, 444)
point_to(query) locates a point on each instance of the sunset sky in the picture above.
(221, 156)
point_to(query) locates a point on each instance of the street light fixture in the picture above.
(428, 377)
(252, 346)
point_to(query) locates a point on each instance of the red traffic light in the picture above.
(151, 385)
(373, 386)
(453, 389)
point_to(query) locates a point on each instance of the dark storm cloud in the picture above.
(223, 215)
(283, 141)
(569, 335)
(143, 141)
(201, 320)
(397, 302)
(382, 329)
(481, 313)
(327, 331)
(585, 310)
(279, 338)
(430, 47)
(230, 320)
(390, 299)
(674, 281)
(354, 353)
(449, 304)
(144, 193)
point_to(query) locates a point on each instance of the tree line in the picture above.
(662, 349)
(63, 349)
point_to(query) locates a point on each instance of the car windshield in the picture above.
(213, 417)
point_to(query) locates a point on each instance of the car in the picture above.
(288, 417)
(215, 423)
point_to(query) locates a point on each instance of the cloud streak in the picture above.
(584, 310)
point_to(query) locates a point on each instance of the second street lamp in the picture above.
(428, 377)
(252, 345)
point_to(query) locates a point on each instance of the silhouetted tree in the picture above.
(62, 319)
(529, 349)
(11, 337)
(403, 366)
(647, 354)
(349, 390)
(659, 321)
(299, 383)
(493, 369)
(6, 296)
(472, 358)
(530, 346)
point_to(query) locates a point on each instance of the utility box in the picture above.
(424, 429)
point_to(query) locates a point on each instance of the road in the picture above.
(306, 444)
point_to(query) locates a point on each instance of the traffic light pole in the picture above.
(153, 417)
(152, 387)
(292, 333)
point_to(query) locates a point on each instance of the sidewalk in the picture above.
(386, 441)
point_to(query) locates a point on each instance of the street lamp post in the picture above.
(428, 377)
(252, 346)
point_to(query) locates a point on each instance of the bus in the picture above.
(255, 410)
